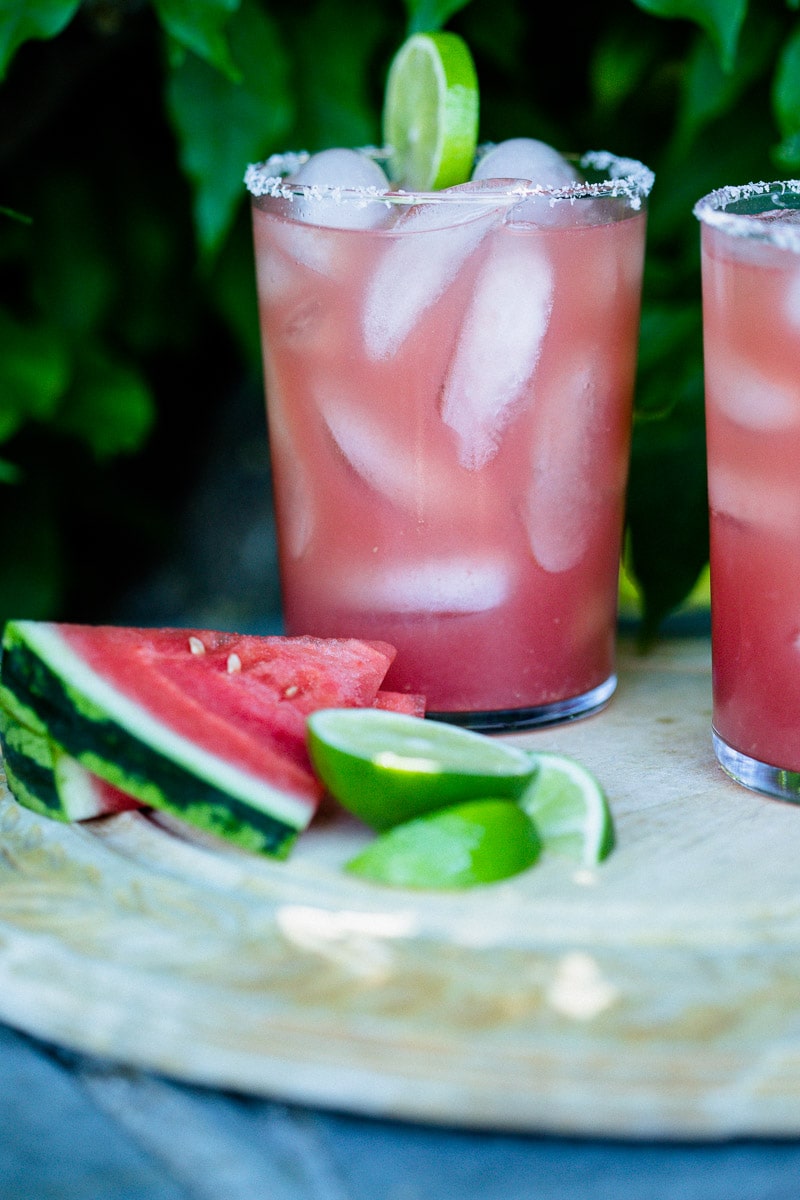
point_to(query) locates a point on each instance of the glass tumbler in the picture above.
(449, 380)
(750, 244)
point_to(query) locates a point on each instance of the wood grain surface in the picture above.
(652, 996)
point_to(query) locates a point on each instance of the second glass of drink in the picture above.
(750, 238)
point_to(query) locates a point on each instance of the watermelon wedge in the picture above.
(205, 725)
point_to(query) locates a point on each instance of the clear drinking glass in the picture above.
(449, 380)
(750, 238)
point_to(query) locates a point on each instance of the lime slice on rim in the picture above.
(480, 841)
(569, 809)
(430, 112)
(386, 767)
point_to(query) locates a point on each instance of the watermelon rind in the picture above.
(44, 778)
(120, 741)
(28, 766)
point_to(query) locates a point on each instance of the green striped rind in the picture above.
(116, 752)
(28, 764)
(39, 774)
(12, 710)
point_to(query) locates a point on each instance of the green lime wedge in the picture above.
(430, 112)
(386, 767)
(480, 841)
(569, 809)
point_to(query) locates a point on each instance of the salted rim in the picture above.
(713, 210)
(627, 178)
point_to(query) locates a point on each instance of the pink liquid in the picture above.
(751, 314)
(458, 494)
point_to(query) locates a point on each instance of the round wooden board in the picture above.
(653, 996)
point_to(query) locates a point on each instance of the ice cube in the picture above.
(754, 499)
(443, 585)
(526, 158)
(558, 516)
(309, 327)
(792, 302)
(429, 245)
(274, 276)
(750, 398)
(387, 466)
(498, 346)
(296, 504)
(308, 245)
(778, 216)
(329, 176)
(538, 164)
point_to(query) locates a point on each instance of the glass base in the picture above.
(761, 777)
(505, 720)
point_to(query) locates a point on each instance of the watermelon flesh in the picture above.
(258, 688)
(411, 703)
(206, 725)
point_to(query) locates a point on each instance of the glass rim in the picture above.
(627, 179)
(713, 210)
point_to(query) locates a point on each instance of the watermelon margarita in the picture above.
(750, 240)
(449, 379)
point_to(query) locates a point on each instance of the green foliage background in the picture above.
(127, 301)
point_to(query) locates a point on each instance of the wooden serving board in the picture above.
(656, 995)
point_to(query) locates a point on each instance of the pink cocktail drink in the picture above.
(449, 390)
(750, 240)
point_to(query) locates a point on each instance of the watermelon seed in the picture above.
(290, 691)
(196, 646)
(234, 664)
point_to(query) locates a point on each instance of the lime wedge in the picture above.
(430, 112)
(386, 767)
(480, 841)
(569, 809)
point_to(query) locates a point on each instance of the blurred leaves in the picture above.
(222, 124)
(108, 405)
(721, 20)
(127, 293)
(34, 373)
(21, 20)
(786, 99)
(200, 25)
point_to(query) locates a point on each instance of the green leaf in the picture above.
(234, 290)
(73, 278)
(619, 64)
(338, 108)
(9, 472)
(787, 152)
(34, 373)
(222, 126)
(710, 92)
(667, 515)
(22, 20)
(786, 86)
(109, 406)
(200, 26)
(427, 15)
(721, 19)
